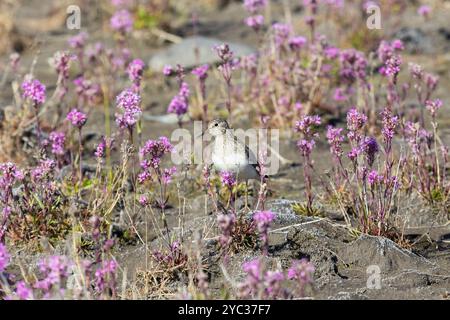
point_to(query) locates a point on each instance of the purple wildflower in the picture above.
(331, 52)
(373, 177)
(302, 271)
(297, 43)
(306, 124)
(227, 179)
(355, 122)
(226, 223)
(61, 61)
(122, 21)
(392, 66)
(433, 106)
(167, 174)
(43, 170)
(353, 154)
(416, 70)
(167, 70)
(370, 147)
(390, 122)
(78, 41)
(4, 257)
(34, 90)
(155, 149)
(431, 81)
(306, 146)
(281, 33)
(340, 95)
(180, 103)
(201, 72)
(263, 219)
(77, 118)
(386, 50)
(55, 269)
(105, 276)
(255, 22)
(143, 201)
(23, 292)
(135, 70)
(253, 6)
(353, 65)
(424, 10)
(57, 139)
(129, 102)
(335, 139)
(86, 89)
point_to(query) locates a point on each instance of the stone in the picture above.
(415, 40)
(194, 51)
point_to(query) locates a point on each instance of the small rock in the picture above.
(415, 40)
(193, 51)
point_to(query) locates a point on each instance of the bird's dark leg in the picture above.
(246, 196)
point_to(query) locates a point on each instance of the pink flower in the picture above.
(227, 179)
(263, 218)
(433, 106)
(23, 292)
(302, 271)
(4, 257)
(297, 43)
(306, 146)
(307, 123)
(143, 200)
(373, 177)
(78, 41)
(77, 118)
(129, 102)
(253, 6)
(122, 21)
(167, 70)
(34, 90)
(201, 72)
(424, 10)
(135, 70)
(180, 103)
(58, 139)
(167, 175)
(355, 120)
(255, 22)
(335, 139)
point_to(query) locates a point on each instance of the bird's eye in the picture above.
(215, 125)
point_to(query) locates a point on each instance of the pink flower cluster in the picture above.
(226, 224)
(77, 118)
(129, 102)
(58, 139)
(268, 284)
(135, 71)
(227, 179)
(263, 219)
(122, 21)
(4, 257)
(34, 90)
(180, 103)
(155, 150)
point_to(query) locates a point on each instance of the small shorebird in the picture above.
(231, 155)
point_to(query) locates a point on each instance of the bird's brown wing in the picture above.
(253, 161)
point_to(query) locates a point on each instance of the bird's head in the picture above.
(217, 127)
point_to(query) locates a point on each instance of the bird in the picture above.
(231, 155)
